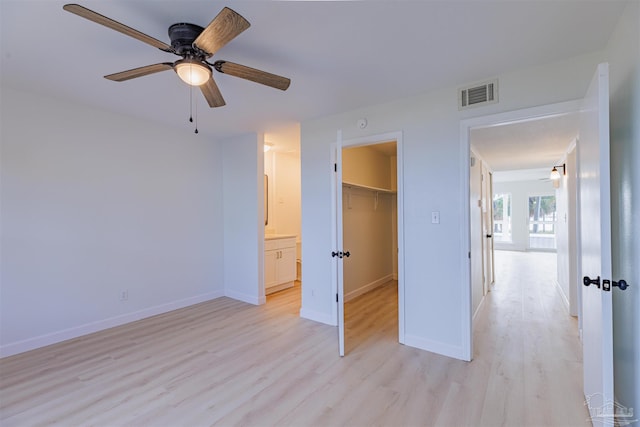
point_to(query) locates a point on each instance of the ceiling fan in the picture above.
(195, 45)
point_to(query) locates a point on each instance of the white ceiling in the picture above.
(339, 55)
(534, 145)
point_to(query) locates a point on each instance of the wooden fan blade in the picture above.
(115, 25)
(212, 94)
(139, 72)
(220, 31)
(252, 74)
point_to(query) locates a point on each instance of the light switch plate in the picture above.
(435, 217)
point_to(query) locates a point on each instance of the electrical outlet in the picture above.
(124, 295)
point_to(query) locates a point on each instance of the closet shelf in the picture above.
(367, 187)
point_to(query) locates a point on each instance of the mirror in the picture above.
(266, 199)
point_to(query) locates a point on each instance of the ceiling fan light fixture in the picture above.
(192, 72)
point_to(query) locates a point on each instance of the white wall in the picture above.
(623, 54)
(284, 212)
(520, 192)
(566, 233)
(366, 166)
(286, 201)
(242, 183)
(368, 236)
(94, 203)
(434, 261)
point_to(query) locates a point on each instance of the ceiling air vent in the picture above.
(478, 94)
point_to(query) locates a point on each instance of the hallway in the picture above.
(525, 332)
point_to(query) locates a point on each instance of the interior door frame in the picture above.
(372, 140)
(466, 125)
(492, 265)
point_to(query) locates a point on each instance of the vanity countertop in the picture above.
(278, 236)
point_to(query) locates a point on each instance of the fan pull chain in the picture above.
(191, 103)
(196, 131)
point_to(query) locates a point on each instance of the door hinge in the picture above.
(335, 167)
(336, 297)
(469, 255)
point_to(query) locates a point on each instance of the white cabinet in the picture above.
(279, 262)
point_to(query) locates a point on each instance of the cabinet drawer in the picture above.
(286, 243)
(270, 245)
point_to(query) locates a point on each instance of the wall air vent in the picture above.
(478, 94)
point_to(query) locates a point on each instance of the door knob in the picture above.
(606, 284)
(587, 281)
(340, 254)
(489, 236)
(622, 284)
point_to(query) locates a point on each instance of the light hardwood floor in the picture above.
(224, 362)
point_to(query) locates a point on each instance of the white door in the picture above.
(338, 249)
(490, 226)
(477, 236)
(595, 236)
(487, 228)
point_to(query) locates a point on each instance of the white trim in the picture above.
(367, 288)
(524, 115)
(334, 245)
(261, 291)
(465, 240)
(400, 234)
(89, 328)
(516, 116)
(578, 237)
(248, 298)
(475, 315)
(563, 296)
(435, 347)
(340, 242)
(319, 316)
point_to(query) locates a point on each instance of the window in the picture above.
(502, 217)
(542, 222)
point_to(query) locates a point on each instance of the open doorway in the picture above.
(282, 213)
(530, 212)
(370, 233)
(368, 215)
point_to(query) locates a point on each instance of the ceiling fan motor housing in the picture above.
(182, 36)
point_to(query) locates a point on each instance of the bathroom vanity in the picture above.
(279, 262)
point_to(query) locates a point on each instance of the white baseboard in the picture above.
(435, 347)
(317, 316)
(475, 314)
(368, 287)
(251, 299)
(78, 331)
(564, 298)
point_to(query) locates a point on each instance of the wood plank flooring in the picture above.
(229, 363)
